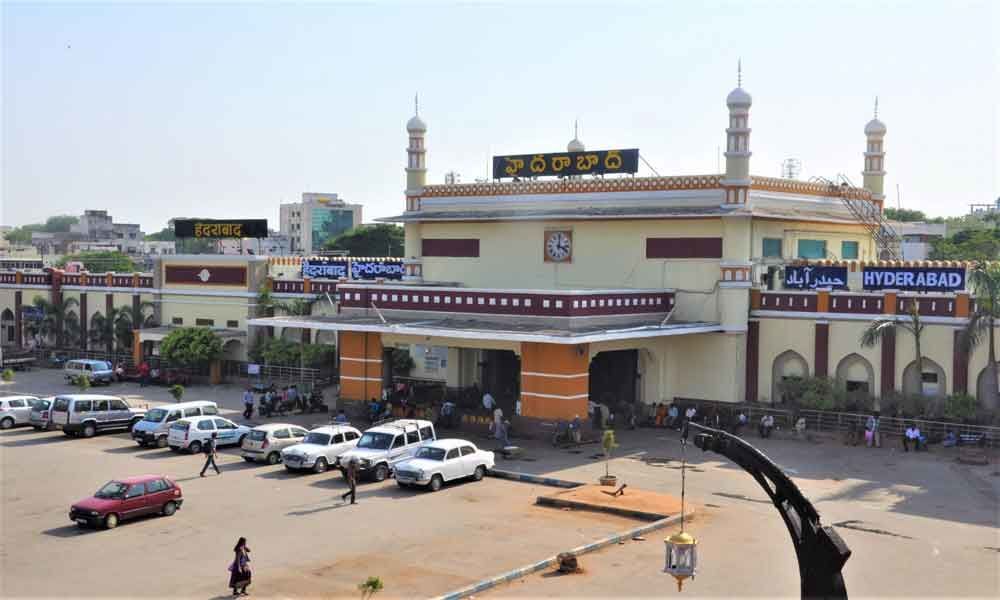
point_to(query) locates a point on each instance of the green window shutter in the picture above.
(772, 248)
(848, 250)
(812, 249)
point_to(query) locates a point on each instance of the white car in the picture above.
(16, 410)
(321, 448)
(444, 460)
(41, 415)
(192, 434)
(266, 442)
(382, 446)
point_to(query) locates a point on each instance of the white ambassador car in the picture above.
(443, 460)
(320, 448)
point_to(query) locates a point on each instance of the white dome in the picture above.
(738, 97)
(416, 124)
(875, 127)
(575, 145)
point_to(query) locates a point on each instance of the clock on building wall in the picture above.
(558, 246)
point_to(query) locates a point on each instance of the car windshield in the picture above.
(317, 438)
(258, 435)
(431, 453)
(43, 404)
(156, 415)
(62, 404)
(112, 489)
(376, 441)
(182, 425)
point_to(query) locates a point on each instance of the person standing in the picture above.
(488, 402)
(871, 431)
(248, 403)
(210, 449)
(239, 571)
(497, 418)
(351, 475)
(143, 374)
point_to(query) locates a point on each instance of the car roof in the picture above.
(189, 404)
(90, 361)
(273, 426)
(201, 418)
(449, 444)
(400, 425)
(19, 397)
(88, 397)
(139, 478)
(339, 427)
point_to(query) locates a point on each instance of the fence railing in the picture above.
(279, 374)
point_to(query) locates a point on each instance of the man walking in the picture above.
(210, 456)
(248, 403)
(351, 475)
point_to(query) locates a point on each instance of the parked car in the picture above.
(16, 410)
(41, 414)
(382, 446)
(443, 460)
(128, 498)
(153, 428)
(87, 414)
(97, 371)
(320, 448)
(267, 441)
(192, 434)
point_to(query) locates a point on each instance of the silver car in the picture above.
(41, 414)
(267, 441)
(16, 410)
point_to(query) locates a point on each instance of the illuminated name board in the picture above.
(227, 228)
(914, 279)
(596, 162)
(319, 268)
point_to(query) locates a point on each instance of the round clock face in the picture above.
(558, 246)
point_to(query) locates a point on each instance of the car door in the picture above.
(280, 438)
(397, 450)
(134, 503)
(452, 466)
(227, 431)
(29, 405)
(102, 412)
(469, 460)
(205, 429)
(17, 410)
(157, 494)
(335, 448)
(120, 414)
(348, 440)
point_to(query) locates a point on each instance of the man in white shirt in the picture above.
(912, 435)
(488, 402)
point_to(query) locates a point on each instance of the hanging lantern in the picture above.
(682, 557)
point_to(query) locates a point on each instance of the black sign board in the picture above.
(810, 278)
(567, 163)
(220, 228)
(914, 279)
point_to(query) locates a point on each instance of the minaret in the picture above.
(737, 179)
(416, 178)
(874, 173)
(575, 145)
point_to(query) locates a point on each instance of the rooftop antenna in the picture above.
(876, 107)
(739, 72)
(416, 103)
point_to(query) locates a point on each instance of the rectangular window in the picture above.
(683, 247)
(233, 324)
(204, 322)
(812, 248)
(177, 321)
(848, 250)
(460, 248)
(772, 247)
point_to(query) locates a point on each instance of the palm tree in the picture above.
(101, 332)
(878, 328)
(985, 281)
(54, 321)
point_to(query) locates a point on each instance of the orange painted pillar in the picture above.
(555, 380)
(136, 348)
(360, 365)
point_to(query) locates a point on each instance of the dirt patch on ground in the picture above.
(631, 499)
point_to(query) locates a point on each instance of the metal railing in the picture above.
(281, 374)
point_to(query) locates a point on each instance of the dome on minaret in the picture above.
(739, 98)
(416, 124)
(875, 127)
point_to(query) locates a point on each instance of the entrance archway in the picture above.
(986, 390)
(787, 365)
(8, 334)
(930, 384)
(613, 378)
(857, 376)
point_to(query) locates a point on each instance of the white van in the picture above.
(89, 413)
(155, 426)
(97, 371)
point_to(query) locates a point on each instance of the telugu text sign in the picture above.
(811, 278)
(595, 162)
(914, 279)
(224, 228)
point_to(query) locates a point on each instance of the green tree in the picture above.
(186, 245)
(985, 282)
(59, 223)
(101, 262)
(20, 236)
(912, 324)
(970, 244)
(59, 320)
(904, 215)
(191, 347)
(177, 391)
(369, 240)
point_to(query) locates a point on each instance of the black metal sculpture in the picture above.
(820, 550)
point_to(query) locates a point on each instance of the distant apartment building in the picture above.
(275, 244)
(157, 248)
(97, 226)
(318, 218)
(916, 237)
(981, 209)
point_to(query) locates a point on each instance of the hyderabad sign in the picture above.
(914, 279)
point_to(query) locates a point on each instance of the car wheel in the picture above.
(195, 447)
(131, 424)
(111, 521)
(37, 427)
(274, 458)
(6, 423)
(248, 459)
(67, 433)
(161, 442)
(169, 509)
(242, 437)
(89, 430)
(381, 472)
(403, 485)
(436, 483)
(479, 473)
(142, 443)
(321, 465)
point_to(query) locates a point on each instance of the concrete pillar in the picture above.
(360, 365)
(18, 319)
(960, 364)
(555, 380)
(84, 320)
(753, 360)
(822, 349)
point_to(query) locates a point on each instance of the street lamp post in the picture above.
(820, 551)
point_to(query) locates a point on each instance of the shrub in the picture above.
(371, 586)
(8, 375)
(402, 362)
(177, 391)
(959, 407)
(818, 393)
(191, 347)
(82, 382)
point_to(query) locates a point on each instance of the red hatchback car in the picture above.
(128, 498)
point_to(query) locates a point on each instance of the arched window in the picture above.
(787, 365)
(930, 384)
(856, 374)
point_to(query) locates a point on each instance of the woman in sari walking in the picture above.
(239, 571)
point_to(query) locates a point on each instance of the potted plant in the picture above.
(370, 587)
(83, 382)
(177, 391)
(608, 444)
(8, 375)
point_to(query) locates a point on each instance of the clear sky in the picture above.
(225, 110)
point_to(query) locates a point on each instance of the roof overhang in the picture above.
(485, 330)
(156, 334)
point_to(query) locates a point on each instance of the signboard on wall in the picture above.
(914, 279)
(591, 162)
(326, 268)
(376, 269)
(807, 277)
(224, 228)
